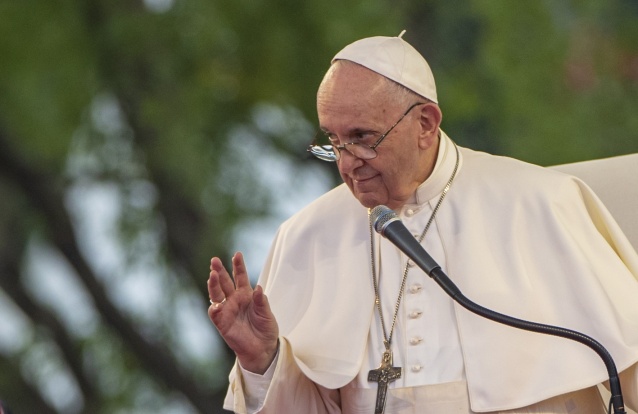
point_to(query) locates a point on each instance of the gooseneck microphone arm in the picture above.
(390, 226)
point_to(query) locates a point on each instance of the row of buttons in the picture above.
(415, 288)
(416, 340)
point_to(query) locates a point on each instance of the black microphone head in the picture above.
(381, 216)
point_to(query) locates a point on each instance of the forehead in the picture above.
(352, 94)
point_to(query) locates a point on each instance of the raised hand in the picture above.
(242, 315)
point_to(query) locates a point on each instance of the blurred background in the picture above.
(138, 138)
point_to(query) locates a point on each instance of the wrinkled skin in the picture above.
(354, 104)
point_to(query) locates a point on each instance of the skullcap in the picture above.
(395, 59)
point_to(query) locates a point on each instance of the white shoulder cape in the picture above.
(519, 239)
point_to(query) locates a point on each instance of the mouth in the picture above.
(363, 180)
(360, 180)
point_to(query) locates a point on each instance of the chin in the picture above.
(368, 200)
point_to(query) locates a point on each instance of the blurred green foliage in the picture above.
(137, 137)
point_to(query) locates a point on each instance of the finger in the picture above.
(224, 285)
(216, 296)
(239, 271)
(213, 309)
(215, 292)
(260, 300)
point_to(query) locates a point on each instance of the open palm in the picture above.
(242, 315)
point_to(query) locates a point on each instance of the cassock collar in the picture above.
(434, 184)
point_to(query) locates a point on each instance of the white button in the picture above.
(410, 263)
(416, 368)
(415, 314)
(415, 288)
(409, 212)
(415, 340)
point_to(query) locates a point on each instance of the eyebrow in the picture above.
(353, 131)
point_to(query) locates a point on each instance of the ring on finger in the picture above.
(212, 302)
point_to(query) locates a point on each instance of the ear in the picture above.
(429, 121)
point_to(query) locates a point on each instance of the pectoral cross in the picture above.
(383, 375)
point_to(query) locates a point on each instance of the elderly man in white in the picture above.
(335, 301)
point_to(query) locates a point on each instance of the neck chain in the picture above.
(386, 372)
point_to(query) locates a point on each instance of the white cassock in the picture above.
(519, 239)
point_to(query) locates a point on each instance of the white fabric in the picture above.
(295, 393)
(426, 359)
(615, 181)
(522, 240)
(433, 360)
(256, 386)
(395, 59)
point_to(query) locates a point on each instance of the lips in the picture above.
(363, 179)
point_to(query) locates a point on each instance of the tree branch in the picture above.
(46, 196)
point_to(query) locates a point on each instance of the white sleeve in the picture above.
(284, 390)
(256, 386)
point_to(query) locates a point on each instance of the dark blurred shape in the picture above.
(3, 408)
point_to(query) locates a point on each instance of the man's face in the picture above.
(354, 105)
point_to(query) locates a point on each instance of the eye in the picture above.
(364, 136)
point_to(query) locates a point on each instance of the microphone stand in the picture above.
(614, 382)
(389, 226)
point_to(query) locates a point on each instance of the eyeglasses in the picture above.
(332, 153)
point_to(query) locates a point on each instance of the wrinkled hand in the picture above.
(242, 315)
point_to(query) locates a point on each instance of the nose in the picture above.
(348, 163)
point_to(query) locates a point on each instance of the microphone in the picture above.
(388, 225)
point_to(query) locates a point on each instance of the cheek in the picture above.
(393, 183)
(345, 178)
(390, 170)
(397, 175)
